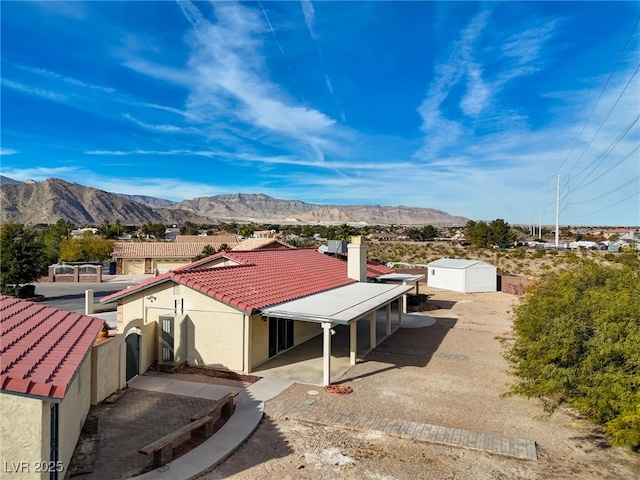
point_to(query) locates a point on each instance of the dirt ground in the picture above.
(450, 374)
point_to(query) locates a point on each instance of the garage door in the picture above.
(166, 264)
(133, 267)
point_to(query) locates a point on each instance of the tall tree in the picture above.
(88, 248)
(20, 261)
(155, 230)
(189, 228)
(50, 239)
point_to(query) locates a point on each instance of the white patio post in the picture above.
(326, 354)
(372, 329)
(388, 318)
(353, 342)
(400, 303)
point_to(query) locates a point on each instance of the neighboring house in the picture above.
(258, 243)
(615, 231)
(138, 258)
(236, 310)
(231, 240)
(46, 386)
(264, 234)
(465, 276)
(628, 241)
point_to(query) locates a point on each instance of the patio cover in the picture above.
(400, 277)
(342, 305)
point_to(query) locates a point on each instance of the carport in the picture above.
(343, 306)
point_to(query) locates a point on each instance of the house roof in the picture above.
(42, 347)
(377, 269)
(254, 243)
(230, 240)
(456, 263)
(161, 249)
(262, 277)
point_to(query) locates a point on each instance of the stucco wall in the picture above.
(108, 368)
(24, 436)
(259, 341)
(303, 331)
(73, 412)
(215, 331)
(481, 278)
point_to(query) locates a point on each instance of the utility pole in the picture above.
(558, 214)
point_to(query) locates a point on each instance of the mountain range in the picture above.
(52, 199)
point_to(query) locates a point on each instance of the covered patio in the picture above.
(354, 319)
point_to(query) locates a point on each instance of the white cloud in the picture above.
(8, 151)
(56, 76)
(162, 128)
(39, 92)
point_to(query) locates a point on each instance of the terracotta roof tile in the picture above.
(254, 243)
(163, 249)
(230, 240)
(262, 278)
(42, 347)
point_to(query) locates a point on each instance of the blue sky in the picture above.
(466, 107)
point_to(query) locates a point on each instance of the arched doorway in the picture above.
(133, 354)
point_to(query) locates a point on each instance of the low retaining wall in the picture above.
(75, 274)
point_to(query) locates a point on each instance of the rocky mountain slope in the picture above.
(53, 199)
(47, 201)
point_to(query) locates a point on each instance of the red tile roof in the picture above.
(378, 269)
(42, 347)
(262, 278)
(165, 249)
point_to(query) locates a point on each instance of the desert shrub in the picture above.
(577, 341)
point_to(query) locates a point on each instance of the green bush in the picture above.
(25, 291)
(577, 341)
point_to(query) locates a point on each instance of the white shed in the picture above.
(465, 276)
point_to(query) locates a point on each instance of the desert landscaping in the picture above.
(451, 374)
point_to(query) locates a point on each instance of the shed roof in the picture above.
(262, 278)
(457, 263)
(42, 347)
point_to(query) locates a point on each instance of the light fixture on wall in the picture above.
(333, 332)
(151, 298)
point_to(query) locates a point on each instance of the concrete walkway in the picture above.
(245, 419)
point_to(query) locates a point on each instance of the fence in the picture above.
(75, 273)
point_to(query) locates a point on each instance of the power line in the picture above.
(599, 97)
(606, 208)
(635, 150)
(613, 190)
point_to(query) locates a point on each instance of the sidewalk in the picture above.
(245, 419)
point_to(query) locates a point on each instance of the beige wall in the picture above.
(303, 331)
(73, 412)
(108, 368)
(24, 435)
(259, 340)
(215, 331)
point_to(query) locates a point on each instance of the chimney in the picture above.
(357, 259)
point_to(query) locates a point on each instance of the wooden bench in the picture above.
(225, 405)
(201, 425)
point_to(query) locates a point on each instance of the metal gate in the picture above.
(133, 355)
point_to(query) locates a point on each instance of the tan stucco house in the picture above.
(236, 310)
(138, 258)
(46, 386)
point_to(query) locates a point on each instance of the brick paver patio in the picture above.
(498, 444)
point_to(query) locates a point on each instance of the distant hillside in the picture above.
(52, 199)
(266, 209)
(8, 181)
